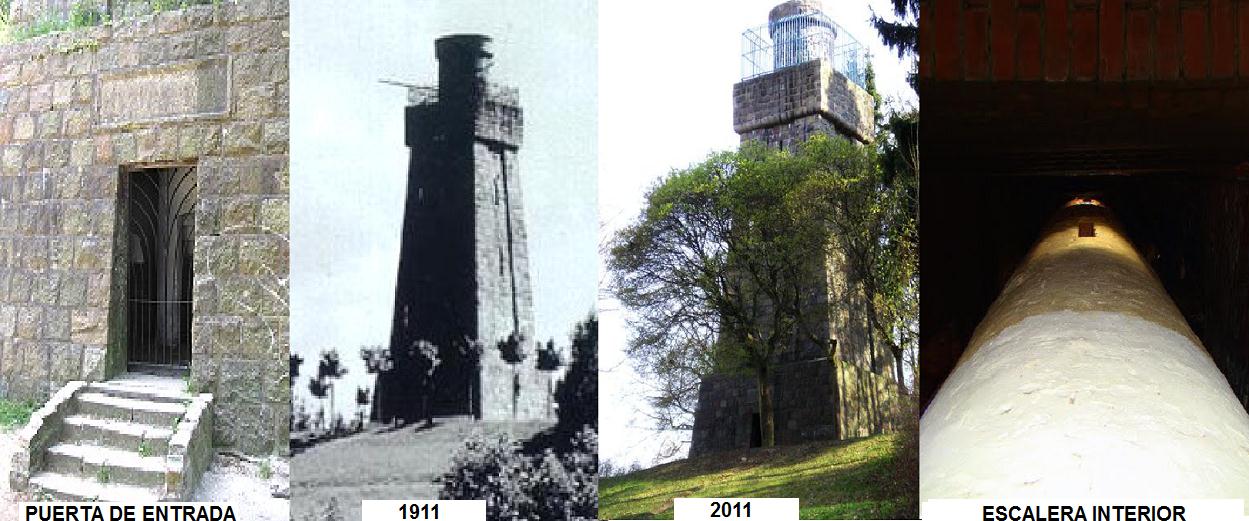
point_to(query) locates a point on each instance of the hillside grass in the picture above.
(857, 479)
(14, 414)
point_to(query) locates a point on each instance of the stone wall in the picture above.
(867, 402)
(206, 87)
(803, 398)
(782, 108)
(516, 391)
(28, 11)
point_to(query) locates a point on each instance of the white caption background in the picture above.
(700, 509)
(390, 510)
(973, 509)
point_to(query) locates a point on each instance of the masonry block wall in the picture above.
(1084, 40)
(505, 299)
(783, 108)
(205, 87)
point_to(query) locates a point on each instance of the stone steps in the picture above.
(125, 389)
(61, 487)
(104, 406)
(137, 437)
(106, 464)
(122, 440)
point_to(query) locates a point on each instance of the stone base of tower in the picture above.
(812, 400)
(517, 391)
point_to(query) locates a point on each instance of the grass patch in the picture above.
(81, 14)
(14, 414)
(832, 480)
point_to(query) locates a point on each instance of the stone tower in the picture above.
(463, 281)
(799, 79)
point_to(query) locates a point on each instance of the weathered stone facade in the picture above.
(842, 386)
(786, 106)
(204, 87)
(463, 282)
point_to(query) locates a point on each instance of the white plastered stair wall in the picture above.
(1084, 381)
(138, 438)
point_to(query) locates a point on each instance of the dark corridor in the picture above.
(160, 253)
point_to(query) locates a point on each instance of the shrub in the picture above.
(518, 486)
(577, 394)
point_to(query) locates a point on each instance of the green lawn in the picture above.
(832, 480)
(14, 414)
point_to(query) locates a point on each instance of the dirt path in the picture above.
(400, 464)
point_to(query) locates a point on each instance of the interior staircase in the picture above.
(139, 438)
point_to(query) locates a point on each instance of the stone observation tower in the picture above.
(801, 76)
(1087, 379)
(463, 281)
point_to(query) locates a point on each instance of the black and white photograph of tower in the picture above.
(447, 236)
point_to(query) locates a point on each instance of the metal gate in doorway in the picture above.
(161, 231)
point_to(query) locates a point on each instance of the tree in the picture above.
(901, 34)
(425, 355)
(319, 389)
(377, 360)
(577, 394)
(330, 368)
(296, 361)
(869, 204)
(362, 402)
(723, 271)
(548, 356)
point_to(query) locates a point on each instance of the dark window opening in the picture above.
(1087, 230)
(160, 253)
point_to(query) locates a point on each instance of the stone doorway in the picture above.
(160, 234)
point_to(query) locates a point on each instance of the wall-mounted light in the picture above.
(1085, 201)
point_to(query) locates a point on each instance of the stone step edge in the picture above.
(124, 428)
(110, 457)
(76, 488)
(41, 432)
(132, 404)
(135, 391)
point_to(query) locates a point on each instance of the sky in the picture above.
(665, 92)
(350, 163)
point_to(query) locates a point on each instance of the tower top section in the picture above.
(795, 7)
(802, 74)
(797, 32)
(463, 58)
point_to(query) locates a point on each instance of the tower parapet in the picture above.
(801, 74)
